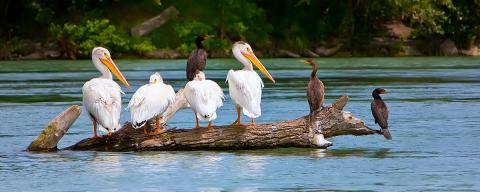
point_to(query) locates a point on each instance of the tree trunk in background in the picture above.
(149, 25)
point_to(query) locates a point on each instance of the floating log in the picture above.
(300, 132)
(331, 121)
(180, 102)
(51, 135)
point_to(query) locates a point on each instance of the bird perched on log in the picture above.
(197, 58)
(245, 86)
(205, 97)
(380, 112)
(151, 100)
(315, 89)
(102, 96)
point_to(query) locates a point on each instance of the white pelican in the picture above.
(149, 101)
(101, 96)
(205, 97)
(245, 86)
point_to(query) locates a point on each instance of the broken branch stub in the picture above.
(51, 135)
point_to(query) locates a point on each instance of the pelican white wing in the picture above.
(102, 100)
(204, 97)
(149, 101)
(245, 89)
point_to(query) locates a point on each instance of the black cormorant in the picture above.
(197, 58)
(315, 89)
(380, 112)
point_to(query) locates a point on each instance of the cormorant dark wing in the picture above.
(380, 113)
(196, 61)
(315, 94)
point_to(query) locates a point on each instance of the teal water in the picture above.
(434, 118)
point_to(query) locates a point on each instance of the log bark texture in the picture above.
(51, 135)
(300, 132)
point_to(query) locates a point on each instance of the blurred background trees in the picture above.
(360, 27)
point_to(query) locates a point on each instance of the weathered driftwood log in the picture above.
(331, 121)
(154, 22)
(180, 102)
(300, 132)
(51, 135)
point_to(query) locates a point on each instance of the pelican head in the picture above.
(199, 75)
(104, 63)
(244, 53)
(155, 78)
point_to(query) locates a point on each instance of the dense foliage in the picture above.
(78, 25)
(81, 39)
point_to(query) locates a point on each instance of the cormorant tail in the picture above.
(386, 134)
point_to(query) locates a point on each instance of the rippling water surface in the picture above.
(434, 118)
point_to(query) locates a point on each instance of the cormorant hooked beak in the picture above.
(307, 61)
(205, 37)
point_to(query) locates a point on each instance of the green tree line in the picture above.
(76, 26)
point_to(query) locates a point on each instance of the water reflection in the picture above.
(152, 162)
(250, 165)
(107, 163)
(320, 153)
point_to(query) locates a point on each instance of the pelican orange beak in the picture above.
(250, 56)
(107, 61)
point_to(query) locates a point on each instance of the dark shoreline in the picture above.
(378, 47)
(406, 51)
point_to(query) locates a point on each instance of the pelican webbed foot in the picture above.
(238, 121)
(158, 128)
(253, 122)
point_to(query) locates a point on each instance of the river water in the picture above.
(434, 120)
